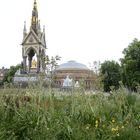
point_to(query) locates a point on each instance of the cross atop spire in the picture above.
(24, 29)
(34, 20)
(35, 4)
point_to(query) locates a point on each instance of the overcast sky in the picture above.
(81, 30)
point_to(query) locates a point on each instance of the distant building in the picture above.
(76, 71)
(3, 71)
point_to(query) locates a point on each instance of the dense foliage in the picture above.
(110, 71)
(131, 65)
(76, 116)
(10, 74)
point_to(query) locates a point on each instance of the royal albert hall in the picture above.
(76, 71)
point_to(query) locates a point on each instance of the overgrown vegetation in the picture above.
(39, 114)
(127, 73)
(36, 113)
(8, 78)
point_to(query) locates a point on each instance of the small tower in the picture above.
(24, 30)
(33, 43)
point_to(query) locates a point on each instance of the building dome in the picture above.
(72, 65)
(76, 71)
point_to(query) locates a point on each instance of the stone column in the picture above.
(38, 64)
(24, 63)
(29, 64)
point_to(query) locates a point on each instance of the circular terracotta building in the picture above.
(76, 71)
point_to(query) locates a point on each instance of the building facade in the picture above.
(76, 71)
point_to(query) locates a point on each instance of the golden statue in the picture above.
(34, 64)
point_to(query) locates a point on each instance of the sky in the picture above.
(81, 30)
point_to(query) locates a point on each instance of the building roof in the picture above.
(72, 65)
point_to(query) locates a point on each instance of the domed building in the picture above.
(76, 71)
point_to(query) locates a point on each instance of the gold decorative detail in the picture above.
(34, 64)
(34, 19)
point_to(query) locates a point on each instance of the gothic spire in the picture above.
(34, 20)
(44, 28)
(24, 30)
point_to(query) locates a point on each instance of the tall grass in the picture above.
(41, 114)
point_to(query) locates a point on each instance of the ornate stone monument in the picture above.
(34, 43)
(33, 49)
(67, 83)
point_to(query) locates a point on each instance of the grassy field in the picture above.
(46, 114)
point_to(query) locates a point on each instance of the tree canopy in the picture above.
(110, 71)
(10, 74)
(131, 65)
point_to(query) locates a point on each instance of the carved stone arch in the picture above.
(30, 53)
(31, 49)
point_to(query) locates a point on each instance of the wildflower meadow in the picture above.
(40, 114)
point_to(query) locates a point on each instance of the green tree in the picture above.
(10, 74)
(131, 65)
(49, 66)
(111, 75)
